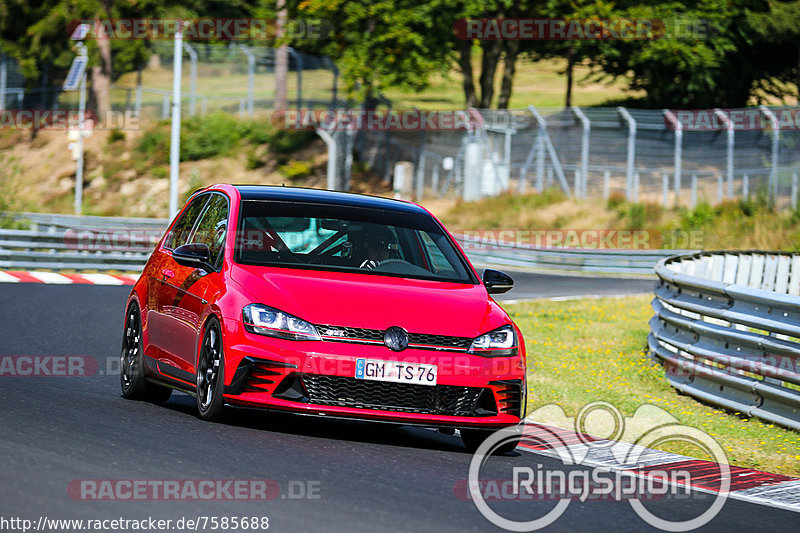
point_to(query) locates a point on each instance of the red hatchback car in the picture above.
(323, 303)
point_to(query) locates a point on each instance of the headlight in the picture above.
(266, 320)
(501, 342)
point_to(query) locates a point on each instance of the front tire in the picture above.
(211, 374)
(131, 369)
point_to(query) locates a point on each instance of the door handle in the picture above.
(167, 273)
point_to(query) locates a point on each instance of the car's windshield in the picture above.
(346, 238)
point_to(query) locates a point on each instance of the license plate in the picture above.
(395, 371)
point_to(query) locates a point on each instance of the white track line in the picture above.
(8, 278)
(102, 279)
(51, 277)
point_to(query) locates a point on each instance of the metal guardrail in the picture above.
(70, 242)
(116, 243)
(727, 330)
(610, 261)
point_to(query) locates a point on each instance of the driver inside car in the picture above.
(378, 244)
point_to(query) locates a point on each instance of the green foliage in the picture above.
(205, 136)
(254, 161)
(194, 183)
(288, 141)
(699, 217)
(154, 143)
(116, 135)
(295, 170)
(10, 172)
(384, 43)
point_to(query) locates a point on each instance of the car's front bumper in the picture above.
(317, 377)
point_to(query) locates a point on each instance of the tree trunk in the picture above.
(100, 99)
(101, 80)
(509, 67)
(281, 60)
(465, 62)
(489, 60)
(570, 64)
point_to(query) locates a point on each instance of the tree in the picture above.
(730, 49)
(37, 35)
(381, 43)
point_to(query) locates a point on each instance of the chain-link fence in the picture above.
(665, 156)
(234, 78)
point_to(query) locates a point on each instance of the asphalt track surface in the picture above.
(369, 477)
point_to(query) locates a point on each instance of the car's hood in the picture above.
(373, 301)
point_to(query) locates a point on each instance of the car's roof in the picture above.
(320, 196)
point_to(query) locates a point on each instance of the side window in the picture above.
(212, 228)
(440, 263)
(183, 227)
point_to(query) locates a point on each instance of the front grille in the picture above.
(343, 332)
(402, 397)
(440, 340)
(371, 336)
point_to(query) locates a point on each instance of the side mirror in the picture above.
(496, 282)
(194, 255)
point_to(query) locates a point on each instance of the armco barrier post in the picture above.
(729, 148)
(776, 136)
(631, 157)
(677, 152)
(580, 191)
(192, 77)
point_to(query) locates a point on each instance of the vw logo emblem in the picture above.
(396, 339)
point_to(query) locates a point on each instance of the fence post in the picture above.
(298, 65)
(540, 154)
(587, 125)
(720, 193)
(665, 189)
(335, 88)
(636, 186)
(677, 153)
(192, 76)
(776, 134)
(138, 101)
(577, 183)
(3, 80)
(746, 187)
(626, 116)
(729, 155)
(251, 73)
(794, 190)
(694, 191)
(547, 144)
(606, 184)
(331, 170)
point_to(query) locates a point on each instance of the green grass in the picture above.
(733, 224)
(583, 351)
(542, 84)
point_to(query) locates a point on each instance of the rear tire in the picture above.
(473, 438)
(131, 368)
(211, 374)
